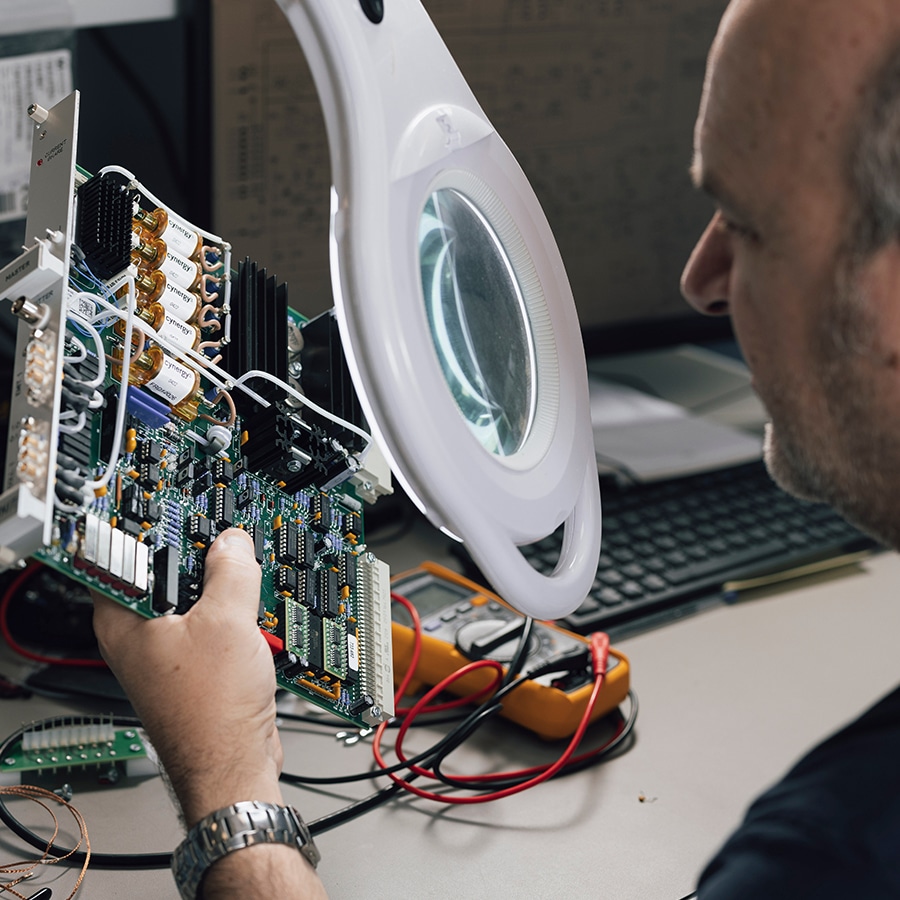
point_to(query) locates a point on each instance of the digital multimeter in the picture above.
(462, 622)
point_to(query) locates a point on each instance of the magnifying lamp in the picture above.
(452, 300)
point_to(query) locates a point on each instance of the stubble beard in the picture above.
(837, 449)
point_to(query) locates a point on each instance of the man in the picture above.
(798, 143)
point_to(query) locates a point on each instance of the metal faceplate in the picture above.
(40, 274)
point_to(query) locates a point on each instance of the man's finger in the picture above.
(231, 574)
(111, 617)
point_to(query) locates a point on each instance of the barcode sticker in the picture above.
(43, 78)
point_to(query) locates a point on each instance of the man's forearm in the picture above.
(262, 871)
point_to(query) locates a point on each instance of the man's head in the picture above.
(798, 129)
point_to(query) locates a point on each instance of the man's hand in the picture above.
(203, 684)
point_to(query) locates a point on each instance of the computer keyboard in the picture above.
(671, 547)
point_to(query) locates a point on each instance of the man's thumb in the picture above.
(231, 574)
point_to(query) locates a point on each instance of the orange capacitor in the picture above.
(152, 286)
(177, 236)
(165, 324)
(178, 385)
(151, 254)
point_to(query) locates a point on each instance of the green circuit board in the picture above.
(166, 503)
(139, 475)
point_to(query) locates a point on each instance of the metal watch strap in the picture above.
(233, 828)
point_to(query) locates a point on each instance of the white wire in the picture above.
(119, 170)
(258, 373)
(98, 341)
(208, 236)
(80, 345)
(72, 429)
(123, 391)
(217, 375)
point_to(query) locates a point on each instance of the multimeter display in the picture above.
(431, 596)
(462, 621)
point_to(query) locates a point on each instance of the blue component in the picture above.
(152, 412)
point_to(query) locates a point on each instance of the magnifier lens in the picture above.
(478, 321)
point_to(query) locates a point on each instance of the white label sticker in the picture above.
(180, 238)
(179, 270)
(179, 302)
(81, 305)
(353, 652)
(177, 332)
(174, 381)
(43, 78)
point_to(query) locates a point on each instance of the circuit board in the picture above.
(163, 394)
(73, 743)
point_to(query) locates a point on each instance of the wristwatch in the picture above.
(233, 828)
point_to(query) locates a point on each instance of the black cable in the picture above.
(98, 860)
(444, 746)
(354, 810)
(452, 740)
(569, 769)
(518, 660)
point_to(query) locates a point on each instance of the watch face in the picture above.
(453, 304)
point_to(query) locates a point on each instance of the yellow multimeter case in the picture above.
(462, 621)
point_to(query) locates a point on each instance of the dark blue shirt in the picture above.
(829, 830)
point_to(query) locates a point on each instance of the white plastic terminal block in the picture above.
(374, 586)
(373, 480)
(69, 735)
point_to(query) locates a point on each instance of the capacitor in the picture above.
(152, 287)
(178, 385)
(178, 236)
(150, 254)
(166, 325)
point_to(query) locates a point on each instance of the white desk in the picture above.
(729, 699)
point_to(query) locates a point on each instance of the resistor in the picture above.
(174, 523)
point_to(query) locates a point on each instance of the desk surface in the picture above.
(728, 700)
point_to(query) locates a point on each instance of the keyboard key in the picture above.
(611, 577)
(654, 583)
(610, 597)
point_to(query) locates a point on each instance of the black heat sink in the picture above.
(103, 229)
(326, 380)
(259, 332)
(291, 451)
